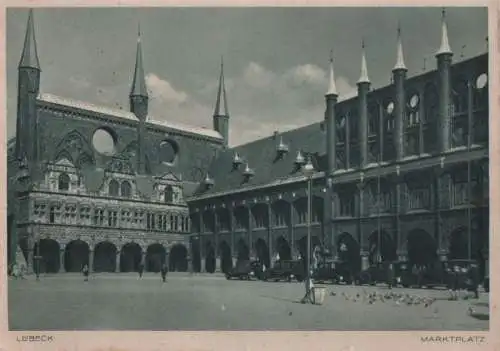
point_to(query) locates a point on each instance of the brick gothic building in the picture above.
(71, 204)
(401, 173)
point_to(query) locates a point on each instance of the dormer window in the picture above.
(237, 161)
(209, 182)
(282, 148)
(299, 160)
(248, 172)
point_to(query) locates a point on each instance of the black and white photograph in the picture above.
(248, 168)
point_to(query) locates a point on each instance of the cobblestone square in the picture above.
(210, 302)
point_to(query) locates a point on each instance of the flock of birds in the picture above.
(398, 298)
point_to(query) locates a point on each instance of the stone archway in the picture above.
(155, 257)
(422, 248)
(387, 249)
(459, 245)
(262, 251)
(348, 251)
(105, 257)
(283, 249)
(302, 247)
(76, 255)
(243, 251)
(196, 255)
(226, 261)
(210, 261)
(49, 252)
(130, 257)
(177, 258)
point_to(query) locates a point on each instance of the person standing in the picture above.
(85, 272)
(390, 275)
(141, 269)
(164, 271)
(474, 276)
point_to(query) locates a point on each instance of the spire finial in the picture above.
(364, 70)
(29, 57)
(139, 81)
(400, 62)
(332, 88)
(221, 93)
(445, 45)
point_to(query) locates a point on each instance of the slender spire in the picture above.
(364, 71)
(221, 94)
(400, 61)
(139, 82)
(29, 58)
(445, 45)
(332, 89)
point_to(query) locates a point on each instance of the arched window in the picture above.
(63, 182)
(126, 189)
(169, 194)
(113, 188)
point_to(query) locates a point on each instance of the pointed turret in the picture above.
(221, 112)
(138, 93)
(332, 88)
(221, 94)
(139, 82)
(445, 45)
(29, 57)
(364, 70)
(400, 61)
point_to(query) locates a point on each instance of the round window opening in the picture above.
(481, 81)
(168, 151)
(390, 107)
(414, 100)
(103, 142)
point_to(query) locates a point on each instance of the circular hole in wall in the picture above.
(104, 142)
(168, 151)
(481, 81)
(414, 100)
(390, 107)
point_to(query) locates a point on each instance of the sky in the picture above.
(275, 59)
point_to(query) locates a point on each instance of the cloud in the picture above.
(260, 100)
(163, 90)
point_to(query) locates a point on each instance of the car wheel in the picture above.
(228, 277)
(405, 285)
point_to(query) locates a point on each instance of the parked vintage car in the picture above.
(439, 274)
(336, 271)
(379, 273)
(285, 270)
(245, 270)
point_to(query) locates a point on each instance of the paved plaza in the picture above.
(200, 302)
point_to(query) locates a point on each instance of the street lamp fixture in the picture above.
(308, 171)
(38, 257)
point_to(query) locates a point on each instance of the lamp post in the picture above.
(37, 257)
(308, 171)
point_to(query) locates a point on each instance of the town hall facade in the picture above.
(401, 173)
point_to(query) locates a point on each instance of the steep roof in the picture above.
(86, 106)
(262, 157)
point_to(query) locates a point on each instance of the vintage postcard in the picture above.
(319, 173)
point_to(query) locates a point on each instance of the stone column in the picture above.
(361, 209)
(269, 234)
(399, 76)
(30, 262)
(292, 230)
(91, 260)
(363, 89)
(250, 239)
(444, 59)
(61, 260)
(117, 260)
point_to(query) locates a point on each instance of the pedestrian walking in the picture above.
(474, 276)
(85, 272)
(141, 269)
(390, 275)
(164, 271)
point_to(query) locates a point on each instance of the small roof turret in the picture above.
(445, 45)
(364, 70)
(29, 57)
(400, 61)
(332, 88)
